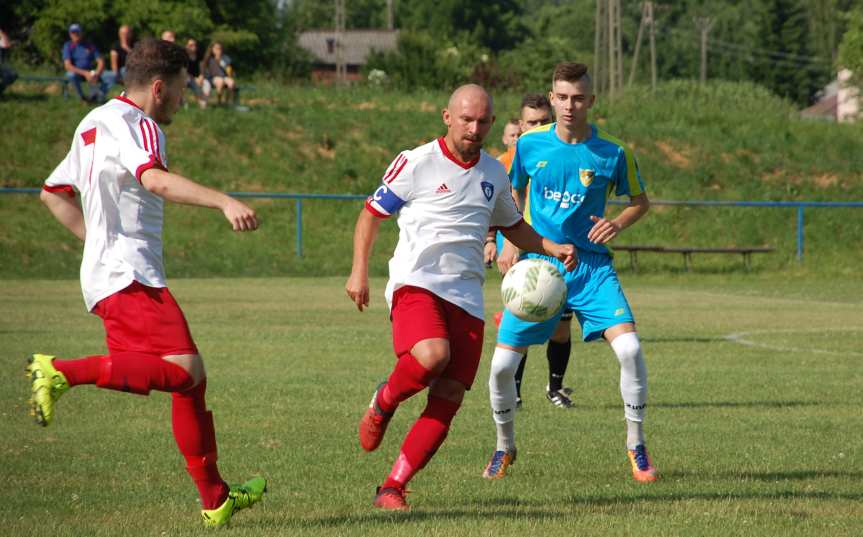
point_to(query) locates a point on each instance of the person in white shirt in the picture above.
(447, 194)
(118, 163)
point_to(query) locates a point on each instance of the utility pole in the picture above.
(390, 19)
(599, 42)
(704, 24)
(341, 68)
(608, 48)
(652, 21)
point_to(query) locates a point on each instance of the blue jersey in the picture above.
(569, 183)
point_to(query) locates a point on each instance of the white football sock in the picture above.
(633, 384)
(502, 393)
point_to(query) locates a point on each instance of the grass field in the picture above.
(754, 420)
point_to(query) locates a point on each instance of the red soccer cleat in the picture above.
(391, 499)
(374, 423)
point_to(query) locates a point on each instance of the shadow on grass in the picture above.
(24, 97)
(737, 404)
(518, 508)
(683, 339)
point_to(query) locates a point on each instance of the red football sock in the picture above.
(423, 440)
(79, 370)
(196, 438)
(408, 378)
(140, 372)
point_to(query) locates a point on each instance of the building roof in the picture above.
(356, 45)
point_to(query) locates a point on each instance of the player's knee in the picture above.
(433, 354)
(193, 364)
(627, 348)
(503, 366)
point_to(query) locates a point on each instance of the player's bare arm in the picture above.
(489, 251)
(179, 189)
(509, 253)
(66, 210)
(605, 230)
(526, 238)
(365, 233)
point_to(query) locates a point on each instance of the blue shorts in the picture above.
(498, 240)
(593, 293)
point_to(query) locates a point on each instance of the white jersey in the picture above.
(445, 208)
(113, 145)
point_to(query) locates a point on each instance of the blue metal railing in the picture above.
(298, 204)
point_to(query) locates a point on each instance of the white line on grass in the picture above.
(742, 338)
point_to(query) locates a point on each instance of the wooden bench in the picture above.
(687, 252)
(43, 79)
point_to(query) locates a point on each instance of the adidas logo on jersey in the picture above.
(442, 189)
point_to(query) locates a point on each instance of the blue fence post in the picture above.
(800, 233)
(299, 206)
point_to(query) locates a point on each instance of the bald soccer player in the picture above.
(447, 194)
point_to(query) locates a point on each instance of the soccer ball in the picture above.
(533, 290)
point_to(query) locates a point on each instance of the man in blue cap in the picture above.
(82, 62)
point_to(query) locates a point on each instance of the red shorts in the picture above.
(145, 319)
(419, 314)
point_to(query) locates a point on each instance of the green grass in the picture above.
(750, 440)
(721, 141)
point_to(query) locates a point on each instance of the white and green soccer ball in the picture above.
(533, 290)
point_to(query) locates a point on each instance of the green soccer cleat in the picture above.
(47, 385)
(239, 497)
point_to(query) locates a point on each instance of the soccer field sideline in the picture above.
(748, 440)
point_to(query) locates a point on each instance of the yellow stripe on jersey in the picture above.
(542, 128)
(631, 177)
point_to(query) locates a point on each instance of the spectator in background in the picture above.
(119, 50)
(7, 74)
(83, 63)
(511, 131)
(194, 79)
(219, 72)
(169, 35)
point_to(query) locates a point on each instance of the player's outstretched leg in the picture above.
(633, 390)
(47, 385)
(502, 395)
(420, 445)
(408, 378)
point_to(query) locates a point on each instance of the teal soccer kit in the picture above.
(569, 183)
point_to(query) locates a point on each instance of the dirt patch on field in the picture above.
(677, 157)
(826, 180)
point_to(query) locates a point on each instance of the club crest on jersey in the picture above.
(488, 190)
(586, 176)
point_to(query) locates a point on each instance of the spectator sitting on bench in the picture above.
(218, 72)
(7, 74)
(194, 79)
(82, 62)
(119, 50)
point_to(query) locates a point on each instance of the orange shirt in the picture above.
(506, 158)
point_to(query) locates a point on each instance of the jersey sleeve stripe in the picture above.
(156, 140)
(396, 168)
(398, 171)
(60, 188)
(143, 135)
(152, 163)
(631, 177)
(370, 208)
